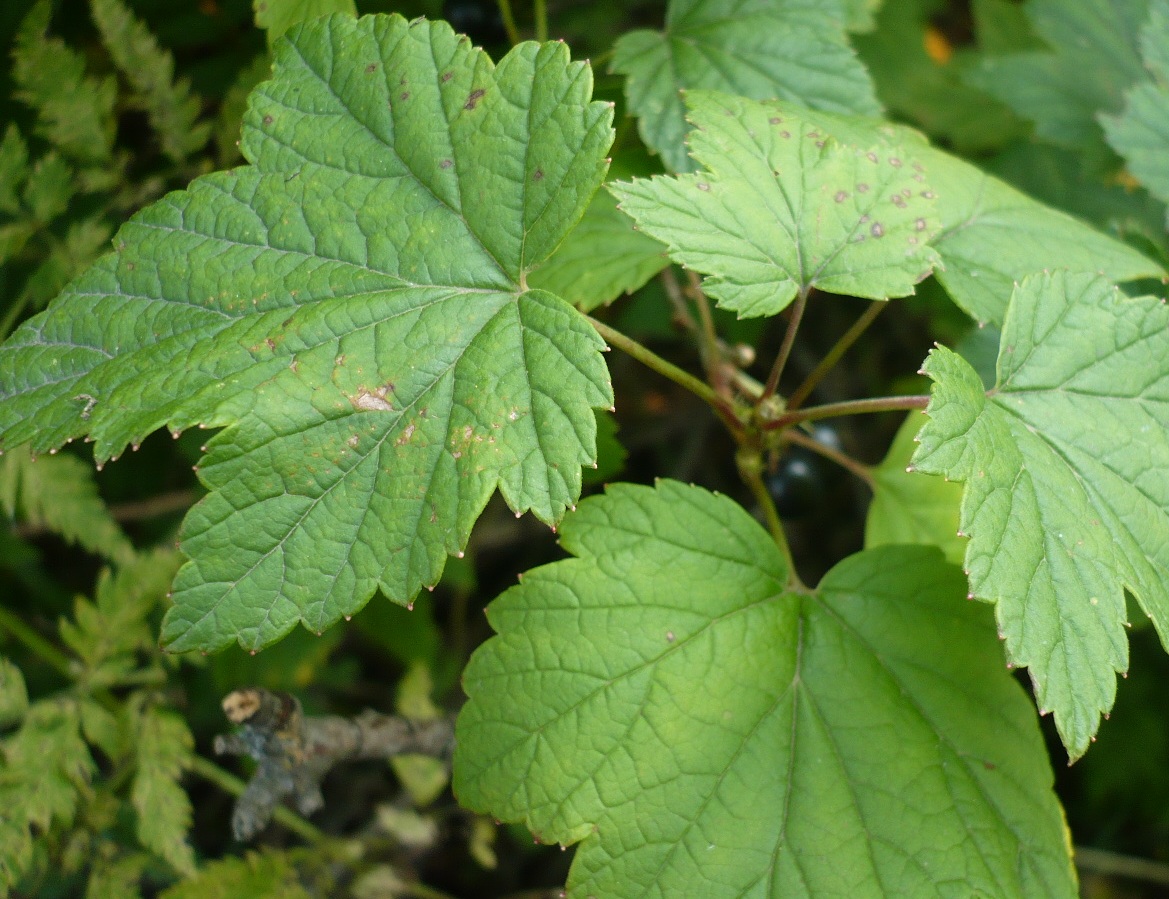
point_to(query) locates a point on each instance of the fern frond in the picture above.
(171, 107)
(75, 112)
(13, 169)
(58, 493)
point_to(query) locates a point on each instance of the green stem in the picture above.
(229, 783)
(673, 292)
(35, 643)
(1100, 861)
(799, 438)
(709, 337)
(513, 33)
(751, 471)
(541, 21)
(833, 355)
(650, 359)
(789, 339)
(599, 60)
(851, 407)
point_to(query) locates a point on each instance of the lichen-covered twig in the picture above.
(293, 752)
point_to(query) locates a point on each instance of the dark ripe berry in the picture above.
(805, 483)
(798, 485)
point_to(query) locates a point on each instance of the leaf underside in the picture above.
(351, 307)
(991, 234)
(1066, 473)
(666, 699)
(782, 207)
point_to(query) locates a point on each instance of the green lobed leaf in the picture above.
(58, 493)
(1140, 133)
(992, 235)
(1056, 176)
(611, 453)
(264, 875)
(910, 508)
(165, 749)
(781, 207)
(75, 112)
(277, 16)
(792, 49)
(931, 92)
(1092, 58)
(602, 258)
(351, 307)
(1066, 500)
(172, 108)
(666, 698)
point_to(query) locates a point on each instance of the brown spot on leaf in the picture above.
(405, 95)
(374, 400)
(538, 175)
(862, 188)
(447, 76)
(473, 99)
(878, 230)
(445, 164)
(267, 120)
(371, 68)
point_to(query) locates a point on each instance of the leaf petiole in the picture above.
(513, 33)
(833, 355)
(845, 461)
(650, 359)
(849, 407)
(789, 339)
